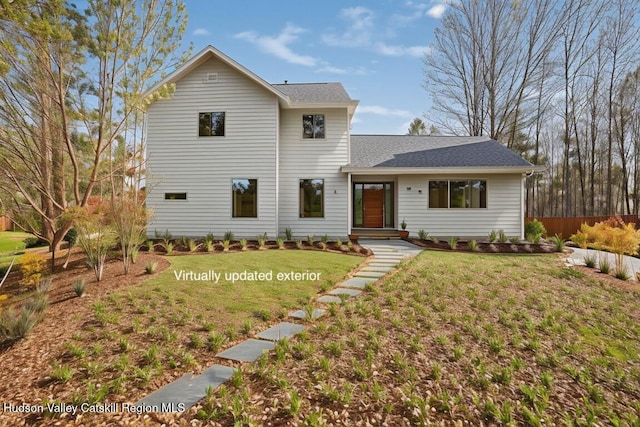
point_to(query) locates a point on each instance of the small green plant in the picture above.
(310, 239)
(323, 245)
(209, 237)
(262, 239)
(228, 235)
(453, 243)
(514, 240)
(493, 235)
(604, 264)
(288, 233)
(339, 243)
(621, 273)
(403, 224)
(150, 245)
(534, 238)
(533, 228)
(225, 245)
(168, 247)
(473, 245)
(558, 242)
(61, 373)
(166, 237)
(215, 341)
(295, 402)
(590, 260)
(78, 287)
(324, 239)
(280, 243)
(422, 235)
(243, 244)
(299, 244)
(150, 268)
(15, 325)
(193, 246)
(44, 285)
(208, 245)
(502, 237)
(246, 328)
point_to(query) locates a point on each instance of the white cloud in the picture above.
(401, 19)
(278, 46)
(383, 111)
(201, 32)
(359, 22)
(330, 69)
(396, 50)
(437, 11)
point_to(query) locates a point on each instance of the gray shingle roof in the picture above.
(314, 92)
(410, 151)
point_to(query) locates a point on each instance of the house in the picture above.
(227, 151)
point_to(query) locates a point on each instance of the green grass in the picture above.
(11, 243)
(523, 336)
(166, 324)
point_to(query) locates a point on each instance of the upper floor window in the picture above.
(175, 196)
(458, 194)
(313, 126)
(211, 124)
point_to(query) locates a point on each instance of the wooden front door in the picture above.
(373, 207)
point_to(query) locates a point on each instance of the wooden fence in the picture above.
(5, 223)
(565, 227)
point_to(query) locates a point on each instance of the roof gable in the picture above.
(204, 55)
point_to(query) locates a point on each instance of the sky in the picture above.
(375, 48)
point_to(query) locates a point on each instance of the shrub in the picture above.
(531, 228)
(38, 303)
(590, 260)
(95, 237)
(193, 246)
(324, 239)
(502, 237)
(473, 245)
(151, 267)
(209, 237)
(603, 264)
(228, 235)
(262, 240)
(310, 239)
(514, 240)
(78, 287)
(225, 245)
(44, 285)
(280, 243)
(128, 217)
(15, 325)
(453, 242)
(558, 242)
(33, 242)
(493, 235)
(243, 244)
(534, 238)
(621, 273)
(422, 235)
(288, 234)
(208, 244)
(150, 245)
(32, 266)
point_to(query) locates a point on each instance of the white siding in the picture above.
(203, 167)
(314, 159)
(503, 212)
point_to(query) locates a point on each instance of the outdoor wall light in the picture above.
(408, 188)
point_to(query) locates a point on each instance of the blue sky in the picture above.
(374, 48)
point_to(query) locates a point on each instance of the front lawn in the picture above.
(456, 338)
(129, 343)
(11, 243)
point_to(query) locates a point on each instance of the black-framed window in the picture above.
(175, 196)
(458, 194)
(245, 198)
(313, 126)
(211, 124)
(312, 198)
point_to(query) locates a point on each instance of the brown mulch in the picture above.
(487, 248)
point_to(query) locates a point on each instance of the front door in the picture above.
(373, 206)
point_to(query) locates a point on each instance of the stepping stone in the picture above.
(384, 262)
(301, 314)
(328, 299)
(247, 351)
(186, 391)
(382, 268)
(345, 291)
(376, 274)
(281, 331)
(358, 282)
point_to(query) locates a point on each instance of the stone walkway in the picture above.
(189, 389)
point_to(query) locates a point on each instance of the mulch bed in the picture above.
(488, 247)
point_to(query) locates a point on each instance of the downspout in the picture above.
(277, 136)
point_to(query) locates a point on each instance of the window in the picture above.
(458, 194)
(313, 126)
(312, 198)
(175, 196)
(211, 124)
(245, 198)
